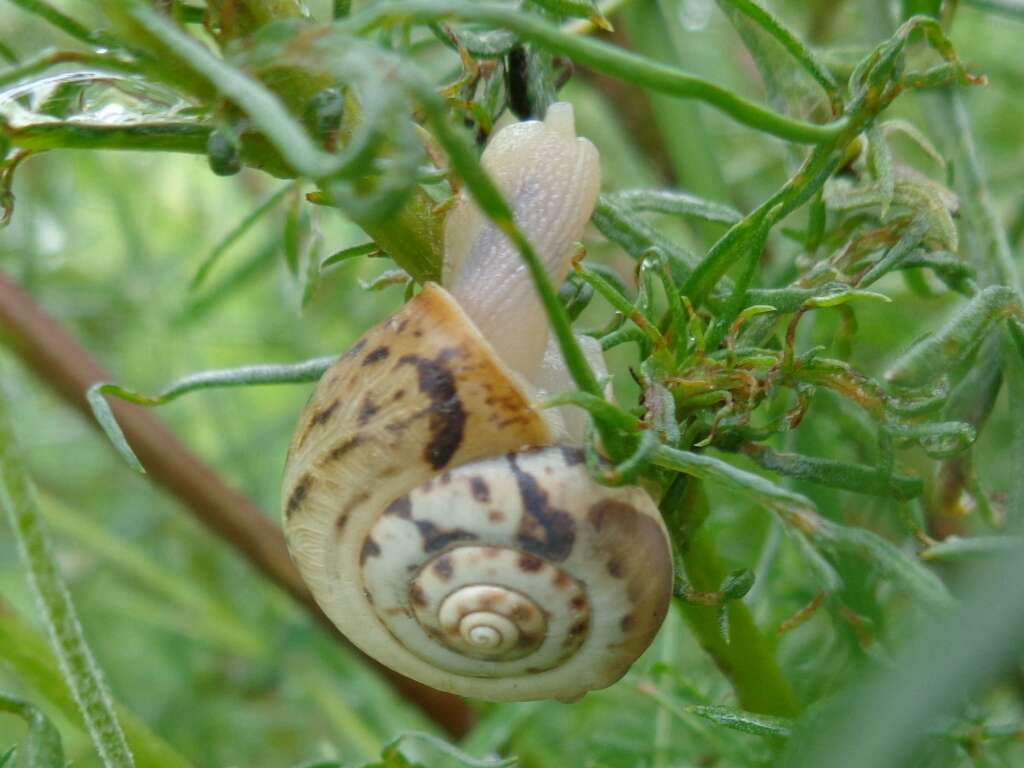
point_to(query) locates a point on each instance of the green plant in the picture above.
(752, 339)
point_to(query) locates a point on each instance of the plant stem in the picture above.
(77, 664)
(144, 137)
(240, 18)
(998, 265)
(796, 48)
(26, 652)
(603, 58)
(44, 61)
(59, 20)
(744, 657)
(1013, 9)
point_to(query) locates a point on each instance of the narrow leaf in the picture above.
(42, 746)
(245, 376)
(935, 353)
(746, 722)
(77, 664)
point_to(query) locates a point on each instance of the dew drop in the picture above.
(694, 15)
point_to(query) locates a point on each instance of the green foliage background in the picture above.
(221, 664)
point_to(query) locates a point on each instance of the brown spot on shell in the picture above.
(400, 507)
(375, 356)
(298, 495)
(522, 613)
(434, 634)
(354, 502)
(398, 395)
(645, 566)
(526, 640)
(435, 538)
(355, 349)
(444, 567)
(447, 417)
(576, 633)
(344, 447)
(367, 410)
(416, 595)
(571, 455)
(561, 579)
(496, 516)
(490, 602)
(543, 529)
(578, 603)
(370, 549)
(530, 563)
(321, 416)
(480, 489)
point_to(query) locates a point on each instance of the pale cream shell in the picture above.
(412, 464)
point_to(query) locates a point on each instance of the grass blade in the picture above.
(76, 661)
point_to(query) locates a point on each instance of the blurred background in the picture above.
(226, 667)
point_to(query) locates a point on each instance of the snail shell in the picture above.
(443, 550)
(442, 527)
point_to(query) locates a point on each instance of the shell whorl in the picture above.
(513, 574)
(445, 546)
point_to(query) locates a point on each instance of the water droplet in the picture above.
(694, 15)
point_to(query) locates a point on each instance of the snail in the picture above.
(449, 528)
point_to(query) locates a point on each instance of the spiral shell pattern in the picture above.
(445, 546)
(511, 568)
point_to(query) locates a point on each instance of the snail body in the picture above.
(444, 524)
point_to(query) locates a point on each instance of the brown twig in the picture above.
(61, 362)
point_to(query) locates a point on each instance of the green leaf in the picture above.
(940, 440)
(956, 548)
(1012, 9)
(295, 226)
(245, 376)
(42, 746)
(780, 56)
(857, 478)
(917, 136)
(880, 164)
(353, 252)
(890, 561)
(479, 43)
(77, 664)
(673, 202)
(580, 9)
(28, 657)
(386, 279)
(393, 758)
(603, 58)
(950, 344)
(737, 584)
(236, 234)
(745, 722)
(840, 297)
(64, 23)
